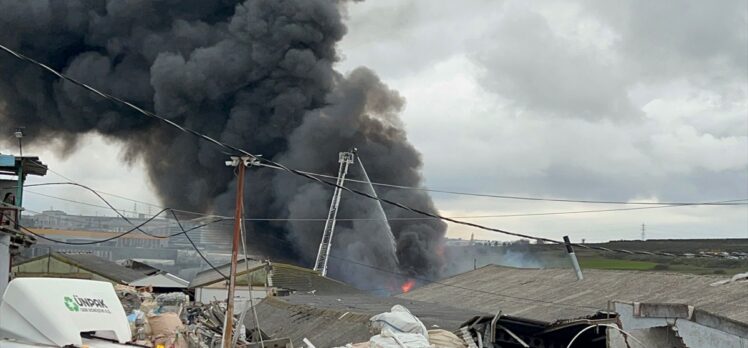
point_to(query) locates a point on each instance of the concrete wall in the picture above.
(241, 296)
(683, 331)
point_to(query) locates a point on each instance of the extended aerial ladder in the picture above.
(345, 159)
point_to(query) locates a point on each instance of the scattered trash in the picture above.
(171, 303)
(171, 321)
(128, 296)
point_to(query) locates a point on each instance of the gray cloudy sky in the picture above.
(612, 100)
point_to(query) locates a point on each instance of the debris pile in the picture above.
(205, 326)
(170, 320)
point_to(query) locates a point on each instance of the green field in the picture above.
(598, 262)
(604, 263)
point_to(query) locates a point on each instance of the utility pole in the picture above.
(228, 326)
(644, 232)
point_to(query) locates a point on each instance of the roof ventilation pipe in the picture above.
(573, 257)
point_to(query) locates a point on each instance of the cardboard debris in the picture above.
(171, 321)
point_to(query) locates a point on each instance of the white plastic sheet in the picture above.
(399, 320)
(399, 329)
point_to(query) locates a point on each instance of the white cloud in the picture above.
(559, 99)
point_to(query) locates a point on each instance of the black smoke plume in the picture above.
(256, 74)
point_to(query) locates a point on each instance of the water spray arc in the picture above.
(382, 215)
(345, 159)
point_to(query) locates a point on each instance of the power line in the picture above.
(194, 246)
(366, 219)
(300, 173)
(120, 235)
(485, 195)
(512, 197)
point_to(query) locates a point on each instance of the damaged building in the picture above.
(659, 309)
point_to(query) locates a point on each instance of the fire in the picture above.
(407, 286)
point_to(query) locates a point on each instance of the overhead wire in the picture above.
(194, 246)
(512, 197)
(249, 282)
(300, 173)
(487, 216)
(474, 194)
(117, 236)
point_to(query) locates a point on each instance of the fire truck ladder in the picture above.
(345, 159)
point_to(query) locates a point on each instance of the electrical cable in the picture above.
(512, 197)
(120, 235)
(486, 195)
(249, 285)
(194, 246)
(303, 174)
(103, 200)
(628, 335)
(360, 219)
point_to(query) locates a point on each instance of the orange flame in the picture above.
(407, 286)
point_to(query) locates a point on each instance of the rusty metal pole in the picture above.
(229, 325)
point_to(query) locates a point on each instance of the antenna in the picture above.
(345, 159)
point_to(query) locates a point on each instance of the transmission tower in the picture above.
(345, 159)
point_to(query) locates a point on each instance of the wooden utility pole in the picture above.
(228, 326)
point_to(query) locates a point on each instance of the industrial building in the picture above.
(655, 307)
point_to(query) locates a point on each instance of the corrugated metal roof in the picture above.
(210, 276)
(296, 278)
(573, 299)
(283, 276)
(161, 280)
(95, 264)
(330, 321)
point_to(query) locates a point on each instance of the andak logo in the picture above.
(71, 305)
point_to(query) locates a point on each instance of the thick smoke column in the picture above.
(256, 74)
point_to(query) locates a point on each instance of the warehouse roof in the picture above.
(161, 280)
(330, 321)
(94, 264)
(555, 294)
(282, 276)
